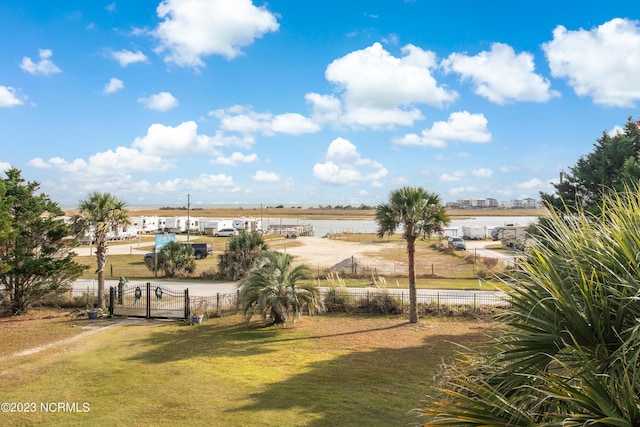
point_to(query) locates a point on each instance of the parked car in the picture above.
(200, 249)
(225, 232)
(457, 243)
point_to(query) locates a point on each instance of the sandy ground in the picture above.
(314, 251)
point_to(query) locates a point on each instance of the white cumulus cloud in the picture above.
(532, 183)
(379, 89)
(344, 165)
(501, 76)
(126, 57)
(268, 177)
(453, 176)
(194, 29)
(113, 86)
(483, 172)
(461, 126)
(44, 66)
(9, 97)
(326, 108)
(602, 63)
(245, 120)
(122, 159)
(184, 140)
(293, 124)
(236, 158)
(162, 101)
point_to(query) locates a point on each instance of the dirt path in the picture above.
(88, 331)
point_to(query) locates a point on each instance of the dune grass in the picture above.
(326, 370)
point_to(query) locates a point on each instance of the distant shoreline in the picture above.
(310, 213)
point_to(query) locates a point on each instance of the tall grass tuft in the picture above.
(571, 352)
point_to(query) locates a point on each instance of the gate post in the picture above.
(187, 305)
(112, 300)
(148, 300)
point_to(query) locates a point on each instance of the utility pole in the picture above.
(188, 216)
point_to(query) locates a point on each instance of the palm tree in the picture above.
(99, 214)
(241, 252)
(174, 258)
(419, 213)
(272, 289)
(571, 353)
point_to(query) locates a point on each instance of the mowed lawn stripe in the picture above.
(325, 370)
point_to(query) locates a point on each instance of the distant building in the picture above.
(491, 203)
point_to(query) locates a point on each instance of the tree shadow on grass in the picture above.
(210, 340)
(351, 372)
(224, 339)
(379, 387)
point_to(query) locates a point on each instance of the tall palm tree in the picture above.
(419, 213)
(272, 289)
(99, 214)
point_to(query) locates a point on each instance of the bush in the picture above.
(210, 274)
(72, 301)
(174, 259)
(384, 303)
(339, 300)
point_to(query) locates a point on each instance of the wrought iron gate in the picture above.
(149, 301)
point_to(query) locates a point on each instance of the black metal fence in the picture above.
(436, 303)
(381, 301)
(336, 300)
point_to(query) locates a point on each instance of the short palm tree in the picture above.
(272, 288)
(570, 354)
(99, 214)
(419, 213)
(173, 259)
(241, 252)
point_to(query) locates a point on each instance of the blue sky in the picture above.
(309, 103)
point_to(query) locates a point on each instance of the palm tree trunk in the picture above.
(413, 300)
(101, 288)
(101, 258)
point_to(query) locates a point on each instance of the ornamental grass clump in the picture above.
(570, 351)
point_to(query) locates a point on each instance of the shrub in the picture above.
(384, 303)
(338, 300)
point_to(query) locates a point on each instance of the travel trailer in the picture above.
(145, 224)
(473, 232)
(512, 236)
(247, 224)
(175, 224)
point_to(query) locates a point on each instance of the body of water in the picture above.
(322, 227)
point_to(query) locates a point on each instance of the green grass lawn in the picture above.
(326, 370)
